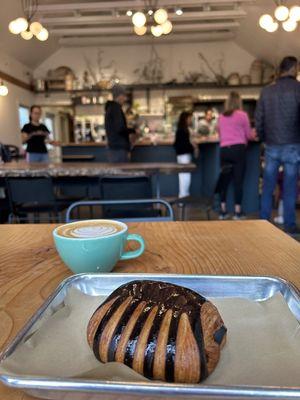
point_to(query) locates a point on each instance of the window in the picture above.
(23, 116)
(49, 122)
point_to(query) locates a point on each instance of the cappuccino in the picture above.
(89, 229)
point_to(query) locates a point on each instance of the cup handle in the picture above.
(136, 253)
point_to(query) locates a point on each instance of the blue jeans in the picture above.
(288, 156)
(37, 157)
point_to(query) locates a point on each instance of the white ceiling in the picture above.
(104, 22)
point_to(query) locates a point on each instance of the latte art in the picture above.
(93, 231)
(89, 230)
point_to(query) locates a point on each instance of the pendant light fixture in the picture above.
(25, 26)
(288, 18)
(153, 16)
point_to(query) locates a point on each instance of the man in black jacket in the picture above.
(278, 125)
(118, 135)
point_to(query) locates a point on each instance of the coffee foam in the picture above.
(93, 231)
(89, 230)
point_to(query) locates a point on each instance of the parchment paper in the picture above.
(262, 349)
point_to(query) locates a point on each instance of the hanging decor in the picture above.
(287, 17)
(26, 26)
(152, 17)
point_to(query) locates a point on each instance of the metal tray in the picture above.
(253, 288)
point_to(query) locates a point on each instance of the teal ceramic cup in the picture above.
(96, 254)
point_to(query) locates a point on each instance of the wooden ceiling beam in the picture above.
(110, 5)
(128, 40)
(104, 19)
(118, 30)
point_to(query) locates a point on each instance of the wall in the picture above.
(9, 128)
(127, 59)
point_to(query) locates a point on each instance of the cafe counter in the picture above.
(204, 178)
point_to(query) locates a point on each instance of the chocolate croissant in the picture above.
(160, 330)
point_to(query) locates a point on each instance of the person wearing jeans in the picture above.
(235, 132)
(184, 151)
(278, 125)
(288, 157)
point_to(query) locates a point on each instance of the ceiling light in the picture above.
(3, 89)
(43, 35)
(150, 12)
(35, 28)
(139, 19)
(140, 30)
(265, 21)
(156, 30)
(273, 27)
(160, 16)
(18, 25)
(289, 25)
(27, 35)
(178, 11)
(167, 27)
(281, 13)
(129, 13)
(295, 13)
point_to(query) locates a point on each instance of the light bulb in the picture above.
(265, 21)
(281, 13)
(272, 28)
(139, 19)
(36, 28)
(43, 35)
(141, 30)
(27, 35)
(150, 12)
(156, 30)
(13, 28)
(167, 27)
(129, 13)
(295, 13)
(289, 25)
(3, 90)
(160, 16)
(178, 11)
(18, 25)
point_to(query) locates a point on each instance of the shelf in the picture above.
(155, 86)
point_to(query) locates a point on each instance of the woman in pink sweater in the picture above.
(235, 132)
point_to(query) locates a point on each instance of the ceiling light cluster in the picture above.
(156, 19)
(25, 26)
(288, 17)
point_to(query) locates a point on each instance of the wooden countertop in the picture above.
(24, 169)
(147, 142)
(30, 268)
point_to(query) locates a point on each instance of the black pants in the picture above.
(233, 166)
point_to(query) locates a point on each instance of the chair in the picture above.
(127, 188)
(32, 196)
(204, 203)
(122, 203)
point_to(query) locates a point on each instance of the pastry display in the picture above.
(160, 330)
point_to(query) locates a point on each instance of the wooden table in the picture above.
(30, 268)
(24, 169)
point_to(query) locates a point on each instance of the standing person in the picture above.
(184, 150)
(235, 132)
(118, 134)
(278, 125)
(35, 135)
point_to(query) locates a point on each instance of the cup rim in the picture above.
(125, 229)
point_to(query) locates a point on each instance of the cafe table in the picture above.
(30, 268)
(93, 169)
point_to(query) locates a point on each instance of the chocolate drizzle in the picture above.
(164, 296)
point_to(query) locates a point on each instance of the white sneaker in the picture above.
(279, 220)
